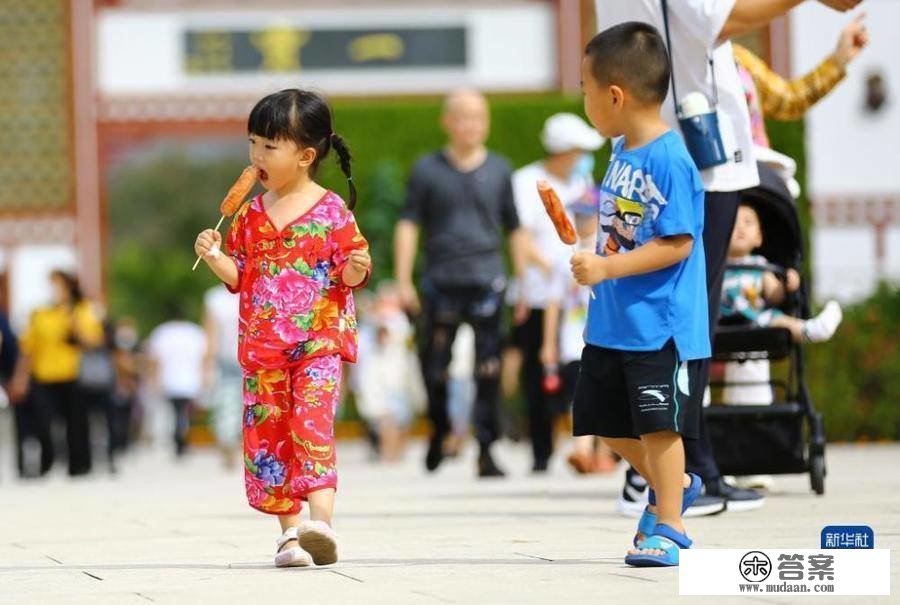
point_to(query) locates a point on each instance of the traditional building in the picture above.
(82, 81)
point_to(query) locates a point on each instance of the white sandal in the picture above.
(319, 540)
(294, 556)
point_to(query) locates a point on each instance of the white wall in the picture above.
(851, 153)
(29, 272)
(850, 150)
(510, 46)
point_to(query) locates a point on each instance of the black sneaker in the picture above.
(737, 500)
(540, 466)
(633, 498)
(487, 468)
(435, 453)
(706, 505)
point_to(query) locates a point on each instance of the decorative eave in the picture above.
(842, 210)
(174, 108)
(23, 228)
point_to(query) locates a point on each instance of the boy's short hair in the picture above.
(632, 55)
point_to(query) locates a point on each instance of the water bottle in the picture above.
(551, 383)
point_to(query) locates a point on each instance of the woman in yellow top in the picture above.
(51, 350)
(771, 96)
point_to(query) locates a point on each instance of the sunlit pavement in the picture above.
(167, 532)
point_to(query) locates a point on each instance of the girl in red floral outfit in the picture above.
(294, 255)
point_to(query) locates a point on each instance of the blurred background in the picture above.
(123, 123)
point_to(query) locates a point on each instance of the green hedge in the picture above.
(855, 377)
(158, 204)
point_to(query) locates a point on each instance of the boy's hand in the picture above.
(358, 263)
(207, 242)
(589, 269)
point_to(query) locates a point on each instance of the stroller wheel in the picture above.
(817, 473)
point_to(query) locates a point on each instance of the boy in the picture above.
(647, 328)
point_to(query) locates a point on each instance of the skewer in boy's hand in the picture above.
(358, 263)
(589, 269)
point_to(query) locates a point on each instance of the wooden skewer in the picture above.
(590, 289)
(216, 228)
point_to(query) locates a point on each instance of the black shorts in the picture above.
(627, 394)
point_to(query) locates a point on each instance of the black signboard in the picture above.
(289, 49)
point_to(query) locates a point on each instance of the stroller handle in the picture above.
(778, 270)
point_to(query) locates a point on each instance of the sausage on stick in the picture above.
(557, 214)
(235, 197)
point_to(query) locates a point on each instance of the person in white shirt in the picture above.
(223, 380)
(176, 349)
(388, 380)
(702, 62)
(569, 142)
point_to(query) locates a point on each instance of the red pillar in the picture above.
(88, 214)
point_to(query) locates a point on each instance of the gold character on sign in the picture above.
(212, 51)
(280, 47)
(373, 47)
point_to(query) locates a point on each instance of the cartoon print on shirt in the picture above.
(630, 204)
(623, 224)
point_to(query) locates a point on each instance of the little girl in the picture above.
(294, 256)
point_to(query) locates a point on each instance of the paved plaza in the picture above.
(167, 532)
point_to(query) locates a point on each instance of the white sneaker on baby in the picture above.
(752, 481)
(294, 556)
(319, 540)
(822, 327)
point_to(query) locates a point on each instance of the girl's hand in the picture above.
(360, 260)
(358, 263)
(208, 243)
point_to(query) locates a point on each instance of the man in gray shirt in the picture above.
(462, 198)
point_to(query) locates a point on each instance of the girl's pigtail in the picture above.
(344, 158)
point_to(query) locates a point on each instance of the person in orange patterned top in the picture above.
(295, 254)
(771, 96)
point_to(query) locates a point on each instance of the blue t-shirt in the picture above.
(650, 192)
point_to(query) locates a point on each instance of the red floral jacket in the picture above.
(293, 301)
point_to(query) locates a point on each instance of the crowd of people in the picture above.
(607, 333)
(81, 382)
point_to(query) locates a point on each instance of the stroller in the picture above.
(787, 436)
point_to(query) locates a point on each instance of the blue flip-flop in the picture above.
(648, 519)
(664, 538)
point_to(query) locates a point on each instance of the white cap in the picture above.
(566, 132)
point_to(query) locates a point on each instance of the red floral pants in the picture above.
(289, 433)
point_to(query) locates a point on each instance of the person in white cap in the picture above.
(569, 142)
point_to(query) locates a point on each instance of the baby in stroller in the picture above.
(752, 291)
